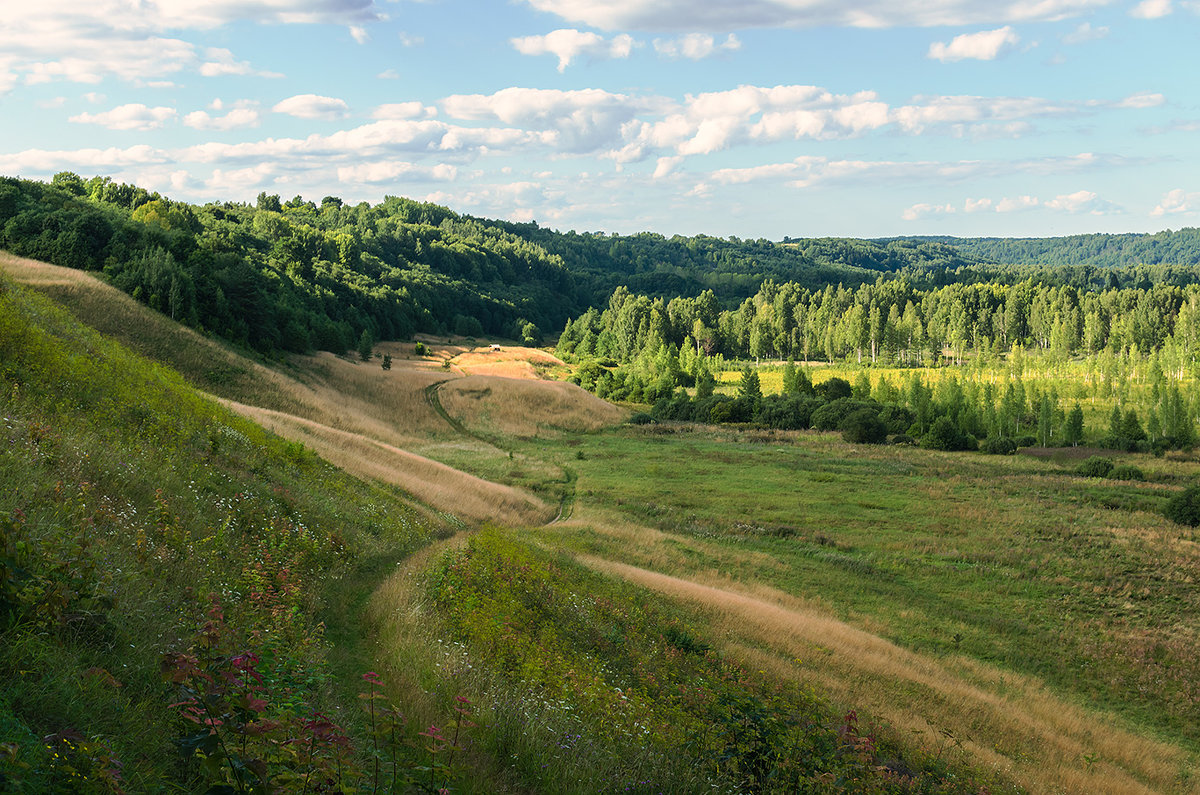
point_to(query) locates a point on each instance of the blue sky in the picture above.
(763, 118)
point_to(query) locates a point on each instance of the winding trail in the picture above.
(995, 716)
(566, 503)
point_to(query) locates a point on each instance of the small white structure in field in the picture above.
(495, 349)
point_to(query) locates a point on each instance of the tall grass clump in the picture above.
(636, 699)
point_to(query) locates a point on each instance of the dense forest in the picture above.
(1096, 250)
(294, 275)
(1130, 350)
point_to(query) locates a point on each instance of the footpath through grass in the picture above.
(1009, 560)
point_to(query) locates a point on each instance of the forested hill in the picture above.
(296, 275)
(1179, 248)
(734, 269)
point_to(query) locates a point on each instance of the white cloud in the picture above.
(359, 34)
(808, 170)
(396, 171)
(696, 46)
(42, 161)
(665, 166)
(522, 200)
(568, 44)
(87, 42)
(1151, 9)
(388, 74)
(243, 114)
(722, 15)
(410, 39)
(1016, 204)
(404, 110)
(569, 121)
(1085, 33)
(1083, 201)
(313, 106)
(1142, 100)
(919, 211)
(221, 63)
(134, 116)
(239, 182)
(983, 46)
(1177, 202)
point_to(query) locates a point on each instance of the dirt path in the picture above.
(565, 503)
(1009, 722)
(433, 483)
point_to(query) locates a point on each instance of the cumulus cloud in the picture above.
(665, 166)
(221, 62)
(1144, 99)
(404, 110)
(1016, 204)
(983, 46)
(520, 201)
(696, 46)
(1151, 9)
(85, 43)
(43, 161)
(721, 15)
(809, 170)
(1085, 33)
(313, 106)
(244, 113)
(134, 116)
(1083, 201)
(396, 171)
(1177, 202)
(571, 121)
(918, 211)
(568, 44)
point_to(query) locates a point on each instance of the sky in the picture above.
(755, 119)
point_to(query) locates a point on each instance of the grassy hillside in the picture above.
(155, 546)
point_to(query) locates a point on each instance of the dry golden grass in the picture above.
(519, 407)
(485, 360)
(431, 482)
(34, 273)
(355, 414)
(1004, 720)
(363, 398)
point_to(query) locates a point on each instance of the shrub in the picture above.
(903, 438)
(831, 416)
(897, 418)
(1095, 467)
(834, 389)
(1025, 441)
(1184, 507)
(1126, 472)
(420, 350)
(864, 427)
(944, 435)
(641, 418)
(998, 445)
